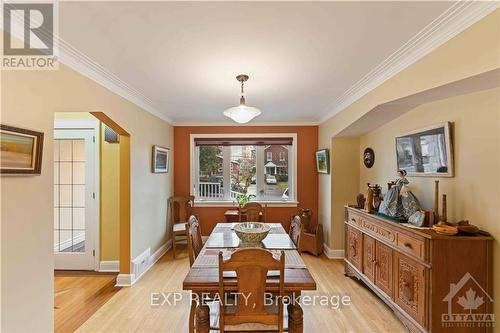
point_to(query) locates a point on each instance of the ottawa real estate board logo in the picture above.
(28, 35)
(469, 305)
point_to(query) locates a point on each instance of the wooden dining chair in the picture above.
(194, 241)
(251, 212)
(180, 208)
(295, 231)
(250, 312)
(308, 240)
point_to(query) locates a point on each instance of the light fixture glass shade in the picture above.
(242, 114)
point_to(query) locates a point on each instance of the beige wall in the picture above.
(345, 182)
(472, 194)
(110, 200)
(476, 50)
(29, 100)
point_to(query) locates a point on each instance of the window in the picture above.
(282, 156)
(224, 168)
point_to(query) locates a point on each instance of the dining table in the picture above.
(203, 276)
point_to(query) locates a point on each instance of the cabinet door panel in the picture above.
(383, 268)
(409, 292)
(354, 247)
(369, 257)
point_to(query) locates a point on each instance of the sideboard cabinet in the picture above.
(420, 274)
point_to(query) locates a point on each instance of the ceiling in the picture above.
(182, 57)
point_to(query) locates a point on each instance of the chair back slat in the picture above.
(295, 230)
(251, 211)
(180, 209)
(252, 266)
(194, 240)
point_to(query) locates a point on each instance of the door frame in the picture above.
(86, 124)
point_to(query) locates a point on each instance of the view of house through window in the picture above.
(210, 181)
(226, 171)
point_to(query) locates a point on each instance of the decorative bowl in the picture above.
(251, 233)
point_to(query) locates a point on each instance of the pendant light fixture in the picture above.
(242, 113)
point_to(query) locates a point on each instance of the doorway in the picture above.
(76, 215)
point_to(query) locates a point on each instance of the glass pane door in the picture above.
(69, 195)
(75, 205)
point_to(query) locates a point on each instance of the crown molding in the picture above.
(233, 124)
(453, 21)
(84, 65)
(68, 55)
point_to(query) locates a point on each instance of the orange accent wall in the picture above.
(307, 177)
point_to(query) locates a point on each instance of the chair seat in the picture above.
(250, 327)
(180, 228)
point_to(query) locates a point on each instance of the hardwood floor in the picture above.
(130, 309)
(78, 295)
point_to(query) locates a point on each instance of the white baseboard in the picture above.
(333, 254)
(128, 280)
(160, 252)
(109, 266)
(124, 280)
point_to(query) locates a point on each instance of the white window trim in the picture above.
(193, 167)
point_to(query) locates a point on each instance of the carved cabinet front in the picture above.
(369, 257)
(355, 247)
(383, 268)
(409, 291)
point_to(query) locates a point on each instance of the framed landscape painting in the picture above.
(160, 159)
(20, 151)
(323, 161)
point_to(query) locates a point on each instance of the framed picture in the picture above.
(160, 159)
(20, 151)
(426, 152)
(323, 161)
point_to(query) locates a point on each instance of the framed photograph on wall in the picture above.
(323, 161)
(160, 159)
(20, 151)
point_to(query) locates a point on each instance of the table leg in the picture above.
(295, 318)
(202, 318)
(192, 312)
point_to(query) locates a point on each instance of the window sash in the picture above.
(261, 160)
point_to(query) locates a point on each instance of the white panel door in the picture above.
(75, 213)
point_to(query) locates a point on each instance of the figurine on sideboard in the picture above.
(360, 200)
(399, 201)
(377, 195)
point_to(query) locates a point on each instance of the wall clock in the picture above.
(368, 157)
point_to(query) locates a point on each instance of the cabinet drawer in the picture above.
(354, 218)
(411, 245)
(378, 230)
